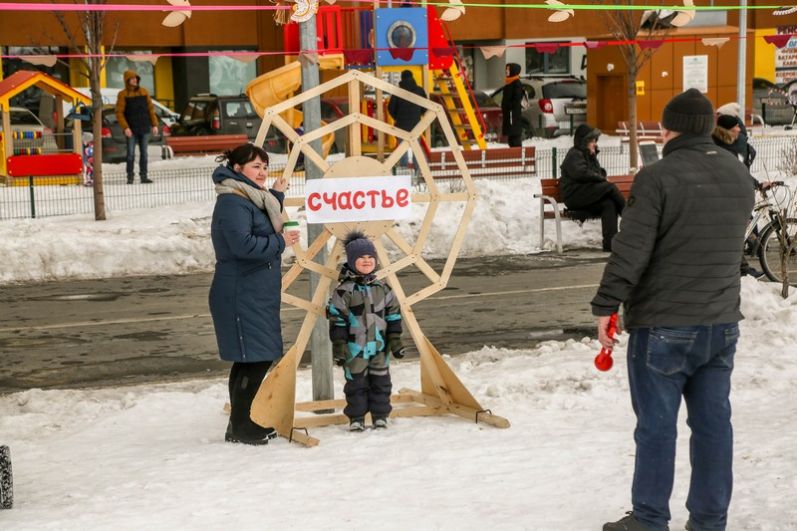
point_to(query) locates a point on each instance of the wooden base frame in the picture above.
(442, 393)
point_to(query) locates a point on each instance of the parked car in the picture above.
(109, 95)
(209, 114)
(551, 103)
(24, 121)
(114, 141)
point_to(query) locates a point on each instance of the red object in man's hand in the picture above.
(604, 361)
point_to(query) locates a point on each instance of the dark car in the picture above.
(209, 114)
(114, 141)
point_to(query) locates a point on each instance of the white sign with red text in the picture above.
(347, 199)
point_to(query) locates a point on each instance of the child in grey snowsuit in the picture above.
(365, 328)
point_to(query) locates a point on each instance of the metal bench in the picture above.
(550, 195)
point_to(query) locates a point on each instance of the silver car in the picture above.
(37, 135)
(552, 105)
(555, 105)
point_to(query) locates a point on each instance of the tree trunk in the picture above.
(633, 146)
(95, 67)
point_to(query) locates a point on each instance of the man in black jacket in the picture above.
(405, 113)
(585, 190)
(136, 116)
(675, 268)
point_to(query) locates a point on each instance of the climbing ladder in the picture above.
(458, 101)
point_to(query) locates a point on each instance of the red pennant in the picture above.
(778, 40)
(650, 45)
(547, 47)
(591, 45)
(405, 54)
(358, 57)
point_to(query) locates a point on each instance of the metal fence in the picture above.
(175, 186)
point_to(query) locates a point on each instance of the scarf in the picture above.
(263, 199)
(510, 79)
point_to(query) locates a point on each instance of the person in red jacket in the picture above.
(136, 116)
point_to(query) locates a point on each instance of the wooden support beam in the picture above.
(441, 392)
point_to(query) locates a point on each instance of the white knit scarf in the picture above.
(263, 199)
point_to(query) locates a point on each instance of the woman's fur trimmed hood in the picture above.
(723, 135)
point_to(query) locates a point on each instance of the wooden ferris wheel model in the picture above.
(441, 391)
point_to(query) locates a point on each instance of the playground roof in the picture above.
(23, 79)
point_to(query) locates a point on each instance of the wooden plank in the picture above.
(340, 403)
(300, 437)
(355, 136)
(473, 414)
(303, 304)
(336, 419)
(421, 264)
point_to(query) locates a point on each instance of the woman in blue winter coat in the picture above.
(246, 231)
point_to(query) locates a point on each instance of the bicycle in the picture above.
(773, 240)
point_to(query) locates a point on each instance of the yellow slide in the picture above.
(281, 84)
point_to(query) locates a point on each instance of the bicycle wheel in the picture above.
(770, 251)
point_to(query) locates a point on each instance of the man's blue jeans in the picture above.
(664, 364)
(141, 141)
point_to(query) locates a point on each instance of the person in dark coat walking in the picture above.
(730, 134)
(675, 269)
(136, 116)
(585, 190)
(511, 106)
(246, 231)
(405, 113)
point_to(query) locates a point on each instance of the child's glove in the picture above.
(340, 351)
(395, 346)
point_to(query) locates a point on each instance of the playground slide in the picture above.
(281, 84)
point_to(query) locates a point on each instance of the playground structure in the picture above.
(441, 391)
(18, 164)
(281, 84)
(431, 56)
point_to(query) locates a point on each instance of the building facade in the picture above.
(174, 79)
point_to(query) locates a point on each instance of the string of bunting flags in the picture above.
(488, 52)
(302, 10)
(556, 5)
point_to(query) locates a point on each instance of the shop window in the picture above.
(538, 63)
(228, 76)
(117, 66)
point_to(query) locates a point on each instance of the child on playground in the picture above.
(365, 329)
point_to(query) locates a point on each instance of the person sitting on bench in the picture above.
(585, 190)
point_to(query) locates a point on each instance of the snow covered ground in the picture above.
(176, 239)
(153, 456)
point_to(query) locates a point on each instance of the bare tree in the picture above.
(91, 32)
(626, 25)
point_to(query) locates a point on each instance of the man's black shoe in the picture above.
(144, 180)
(629, 523)
(269, 433)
